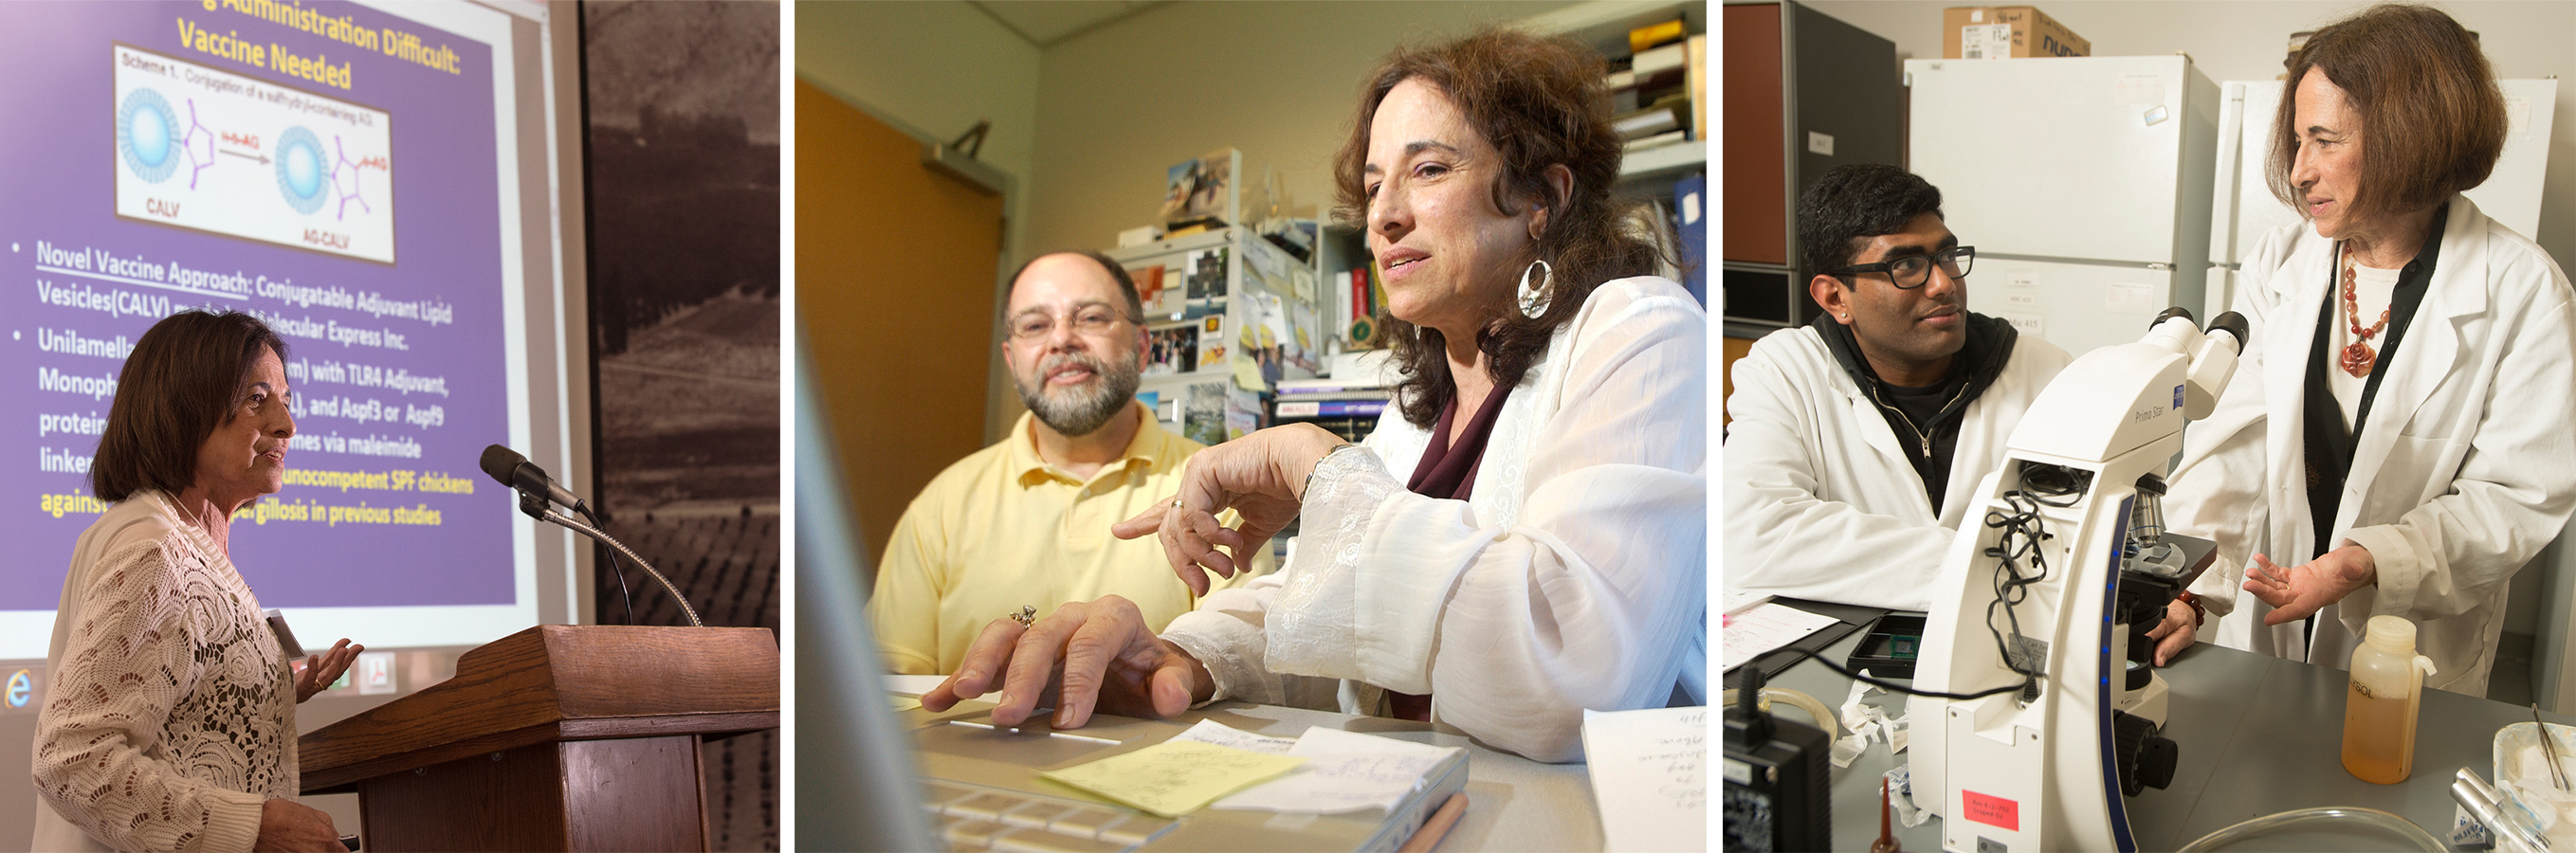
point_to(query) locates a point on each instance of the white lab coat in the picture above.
(1820, 499)
(1575, 577)
(2464, 470)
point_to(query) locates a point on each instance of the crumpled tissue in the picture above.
(1866, 723)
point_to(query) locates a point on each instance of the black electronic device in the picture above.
(1777, 779)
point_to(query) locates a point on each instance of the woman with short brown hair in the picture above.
(2397, 434)
(1530, 538)
(171, 722)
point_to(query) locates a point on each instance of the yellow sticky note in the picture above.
(1175, 778)
(1247, 375)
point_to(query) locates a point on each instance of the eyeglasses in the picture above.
(1094, 320)
(1912, 271)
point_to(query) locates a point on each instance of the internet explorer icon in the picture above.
(22, 687)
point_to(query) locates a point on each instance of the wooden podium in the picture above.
(559, 737)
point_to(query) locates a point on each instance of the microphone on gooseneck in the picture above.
(533, 486)
(515, 471)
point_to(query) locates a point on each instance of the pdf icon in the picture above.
(375, 673)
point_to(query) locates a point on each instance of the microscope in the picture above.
(2059, 570)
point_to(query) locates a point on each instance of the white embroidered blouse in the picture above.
(171, 716)
(1576, 577)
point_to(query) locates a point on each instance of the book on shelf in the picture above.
(1650, 63)
(1667, 69)
(1376, 291)
(1341, 319)
(1658, 140)
(1332, 385)
(1351, 428)
(1655, 35)
(1660, 118)
(1698, 83)
(1327, 408)
(1380, 394)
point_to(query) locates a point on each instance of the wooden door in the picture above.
(895, 273)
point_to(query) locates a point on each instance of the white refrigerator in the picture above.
(2084, 183)
(2244, 209)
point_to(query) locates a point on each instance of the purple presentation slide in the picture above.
(328, 166)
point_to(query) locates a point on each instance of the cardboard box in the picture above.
(1999, 32)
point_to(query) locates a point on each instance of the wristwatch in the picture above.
(2199, 613)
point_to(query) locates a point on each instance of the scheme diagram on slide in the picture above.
(203, 148)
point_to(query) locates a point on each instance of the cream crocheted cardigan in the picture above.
(171, 714)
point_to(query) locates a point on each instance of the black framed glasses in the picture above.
(1913, 271)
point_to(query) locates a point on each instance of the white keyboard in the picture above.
(975, 818)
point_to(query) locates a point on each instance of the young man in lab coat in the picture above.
(1857, 439)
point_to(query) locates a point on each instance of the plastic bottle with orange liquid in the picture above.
(2379, 705)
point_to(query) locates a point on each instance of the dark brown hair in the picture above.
(2432, 118)
(184, 379)
(1541, 103)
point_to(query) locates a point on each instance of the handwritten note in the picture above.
(1344, 772)
(1650, 776)
(1175, 777)
(1767, 627)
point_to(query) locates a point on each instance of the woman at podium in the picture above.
(1529, 538)
(171, 722)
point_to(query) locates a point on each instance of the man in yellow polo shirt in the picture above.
(1025, 523)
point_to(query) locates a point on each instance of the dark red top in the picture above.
(1449, 471)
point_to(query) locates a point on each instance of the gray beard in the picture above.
(1083, 411)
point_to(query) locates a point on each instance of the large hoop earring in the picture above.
(1534, 301)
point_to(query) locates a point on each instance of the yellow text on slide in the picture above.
(392, 480)
(73, 504)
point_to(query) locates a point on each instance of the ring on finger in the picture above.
(1028, 616)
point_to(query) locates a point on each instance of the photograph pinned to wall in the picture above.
(1285, 322)
(1212, 349)
(1202, 194)
(1204, 277)
(1307, 321)
(1242, 412)
(1149, 287)
(1172, 349)
(1203, 413)
(1265, 336)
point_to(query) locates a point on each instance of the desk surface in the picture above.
(1513, 803)
(2257, 735)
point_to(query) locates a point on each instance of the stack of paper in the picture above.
(1344, 771)
(1322, 771)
